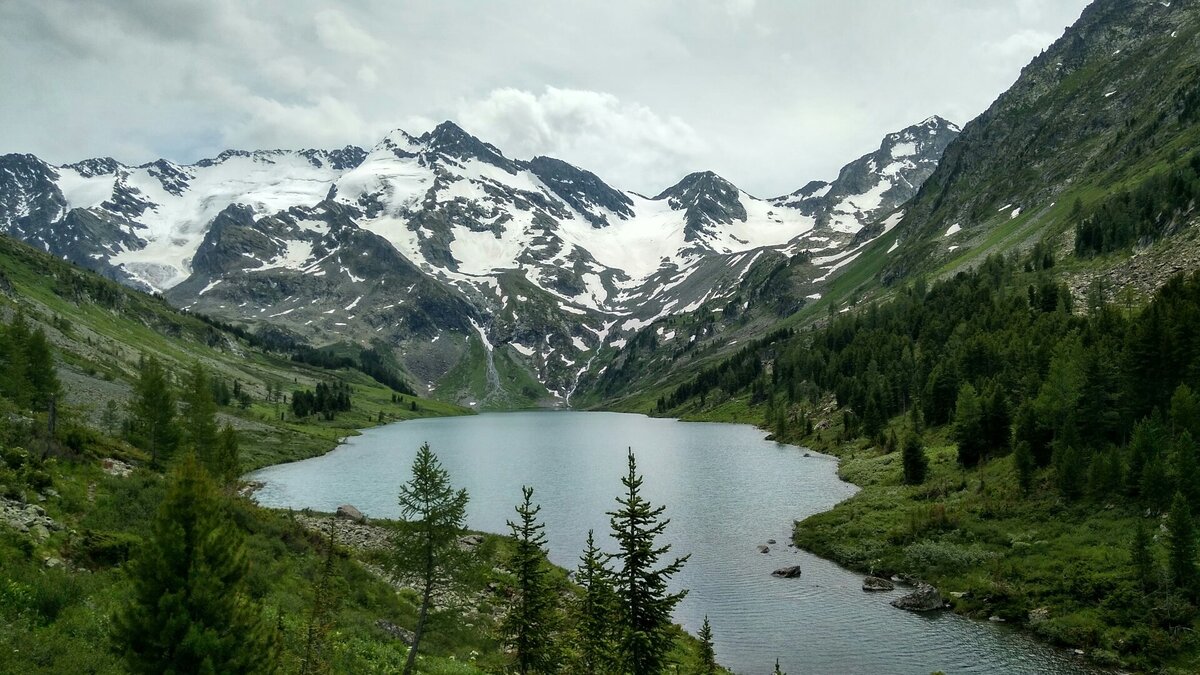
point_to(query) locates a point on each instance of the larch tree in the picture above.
(200, 416)
(641, 584)
(188, 611)
(968, 426)
(426, 544)
(154, 425)
(913, 459)
(1181, 549)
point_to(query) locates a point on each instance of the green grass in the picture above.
(973, 535)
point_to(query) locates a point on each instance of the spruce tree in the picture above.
(530, 628)
(645, 604)
(426, 544)
(916, 464)
(1181, 550)
(187, 610)
(597, 611)
(154, 425)
(708, 654)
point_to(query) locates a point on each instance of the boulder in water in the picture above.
(925, 599)
(787, 572)
(877, 584)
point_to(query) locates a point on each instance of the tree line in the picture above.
(327, 400)
(1140, 214)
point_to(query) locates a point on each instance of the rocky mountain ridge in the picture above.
(482, 272)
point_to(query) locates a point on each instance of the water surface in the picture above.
(727, 491)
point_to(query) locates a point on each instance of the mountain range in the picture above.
(496, 282)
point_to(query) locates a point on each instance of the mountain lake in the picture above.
(727, 490)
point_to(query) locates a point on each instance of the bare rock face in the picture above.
(348, 512)
(791, 572)
(877, 584)
(925, 599)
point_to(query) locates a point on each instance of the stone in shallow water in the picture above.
(787, 572)
(877, 584)
(925, 599)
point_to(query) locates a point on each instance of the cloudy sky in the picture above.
(768, 94)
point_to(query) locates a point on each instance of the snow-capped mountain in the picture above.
(531, 266)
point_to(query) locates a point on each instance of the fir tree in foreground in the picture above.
(188, 611)
(427, 542)
(641, 586)
(531, 626)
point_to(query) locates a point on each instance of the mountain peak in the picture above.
(937, 122)
(702, 181)
(706, 200)
(582, 190)
(96, 166)
(452, 140)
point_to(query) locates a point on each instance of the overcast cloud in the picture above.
(768, 94)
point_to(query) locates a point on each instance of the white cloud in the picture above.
(1021, 46)
(739, 8)
(336, 32)
(625, 143)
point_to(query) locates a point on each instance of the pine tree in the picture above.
(427, 542)
(916, 464)
(645, 604)
(531, 626)
(708, 654)
(188, 611)
(155, 429)
(777, 669)
(200, 418)
(1181, 550)
(597, 611)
